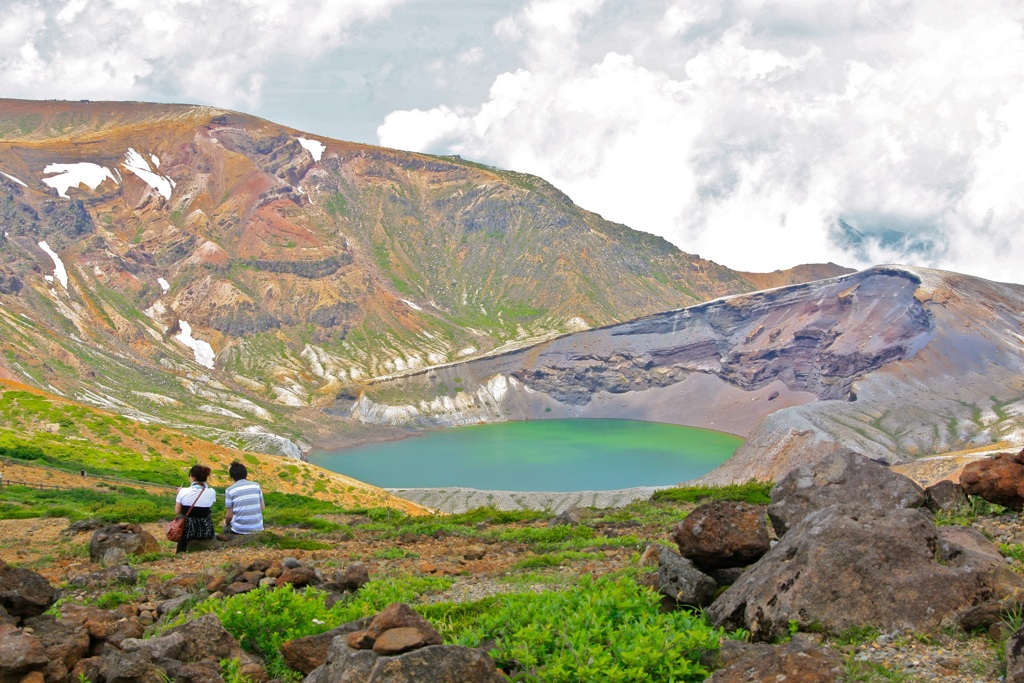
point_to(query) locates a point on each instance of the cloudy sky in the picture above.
(758, 133)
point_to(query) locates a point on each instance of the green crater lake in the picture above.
(539, 455)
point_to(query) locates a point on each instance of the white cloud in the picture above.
(744, 130)
(201, 50)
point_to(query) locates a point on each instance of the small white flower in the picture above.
(317, 621)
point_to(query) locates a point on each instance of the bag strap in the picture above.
(195, 501)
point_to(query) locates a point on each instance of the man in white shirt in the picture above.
(243, 501)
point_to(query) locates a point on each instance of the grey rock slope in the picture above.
(894, 362)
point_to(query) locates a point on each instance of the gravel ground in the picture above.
(455, 500)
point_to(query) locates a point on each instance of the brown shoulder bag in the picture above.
(176, 527)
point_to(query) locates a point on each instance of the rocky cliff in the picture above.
(896, 362)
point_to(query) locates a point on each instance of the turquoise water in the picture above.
(540, 455)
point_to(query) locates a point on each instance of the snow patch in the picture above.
(314, 147)
(202, 350)
(412, 305)
(74, 175)
(8, 175)
(137, 164)
(164, 285)
(59, 271)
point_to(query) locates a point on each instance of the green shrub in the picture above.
(605, 630)
(554, 559)
(754, 492)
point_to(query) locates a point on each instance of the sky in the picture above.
(760, 134)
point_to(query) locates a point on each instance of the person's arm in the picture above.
(177, 508)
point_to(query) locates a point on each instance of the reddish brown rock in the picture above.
(398, 615)
(998, 479)
(395, 641)
(723, 534)
(298, 577)
(20, 653)
(360, 640)
(65, 643)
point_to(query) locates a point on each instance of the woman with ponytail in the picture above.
(194, 502)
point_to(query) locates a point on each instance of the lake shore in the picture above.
(454, 500)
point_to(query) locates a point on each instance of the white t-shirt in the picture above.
(188, 495)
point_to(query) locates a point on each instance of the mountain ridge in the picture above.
(203, 258)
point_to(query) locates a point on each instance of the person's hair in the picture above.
(199, 473)
(238, 471)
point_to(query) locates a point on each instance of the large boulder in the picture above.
(723, 534)
(792, 662)
(435, 663)
(890, 569)
(840, 478)
(119, 540)
(998, 479)
(23, 593)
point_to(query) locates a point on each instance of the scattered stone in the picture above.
(794, 662)
(571, 517)
(290, 563)
(123, 574)
(840, 478)
(64, 643)
(723, 534)
(299, 577)
(474, 552)
(354, 577)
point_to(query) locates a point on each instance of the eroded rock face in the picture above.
(840, 567)
(998, 479)
(723, 534)
(840, 478)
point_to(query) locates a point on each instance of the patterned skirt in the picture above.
(198, 527)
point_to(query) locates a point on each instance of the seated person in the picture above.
(199, 498)
(244, 503)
